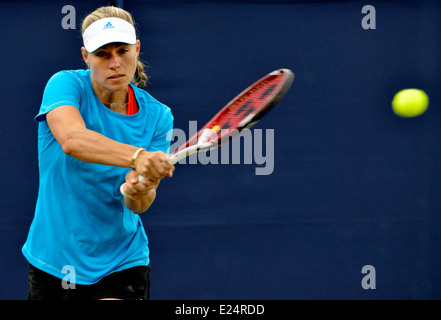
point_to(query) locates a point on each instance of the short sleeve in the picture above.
(163, 133)
(63, 88)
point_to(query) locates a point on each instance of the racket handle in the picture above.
(124, 193)
(173, 159)
(121, 189)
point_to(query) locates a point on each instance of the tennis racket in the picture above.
(244, 111)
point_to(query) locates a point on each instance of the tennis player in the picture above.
(97, 129)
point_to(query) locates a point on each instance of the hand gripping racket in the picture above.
(244, 111)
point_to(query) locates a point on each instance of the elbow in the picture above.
(66, 148)
(69, 145)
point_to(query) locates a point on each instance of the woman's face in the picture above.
(112, 66)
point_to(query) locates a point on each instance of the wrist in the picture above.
(135, 156)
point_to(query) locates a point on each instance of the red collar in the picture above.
(132, 106)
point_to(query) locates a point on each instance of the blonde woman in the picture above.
(97, 130)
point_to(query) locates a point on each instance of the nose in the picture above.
(114, 62)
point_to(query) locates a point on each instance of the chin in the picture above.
(117, 87)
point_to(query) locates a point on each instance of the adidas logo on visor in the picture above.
(108, 30)
(108, 26)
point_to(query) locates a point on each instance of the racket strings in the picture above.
(254, 101)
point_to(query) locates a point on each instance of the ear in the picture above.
(85, 55)
(137, 48)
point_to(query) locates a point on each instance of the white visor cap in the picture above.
(108, 30)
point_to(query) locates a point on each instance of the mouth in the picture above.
(116, 77)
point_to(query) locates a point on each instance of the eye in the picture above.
(123, 50)
(100, 54)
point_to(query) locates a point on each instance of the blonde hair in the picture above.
(140, 78)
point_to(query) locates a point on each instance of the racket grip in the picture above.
(124, 193)
(121, 189)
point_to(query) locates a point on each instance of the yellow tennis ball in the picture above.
(410, 103)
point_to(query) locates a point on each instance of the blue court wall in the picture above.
(353, 184)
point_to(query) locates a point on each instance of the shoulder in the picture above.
(153, 106)
(69, 77)
(65, 87)
(74, 74)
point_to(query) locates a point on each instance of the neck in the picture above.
(115, 100)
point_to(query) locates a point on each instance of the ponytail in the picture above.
(140, 78)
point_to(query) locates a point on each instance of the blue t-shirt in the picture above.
(80, 217)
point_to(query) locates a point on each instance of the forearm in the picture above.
(90, 146)
(140, 204)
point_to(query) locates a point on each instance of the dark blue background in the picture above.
(353, 184)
